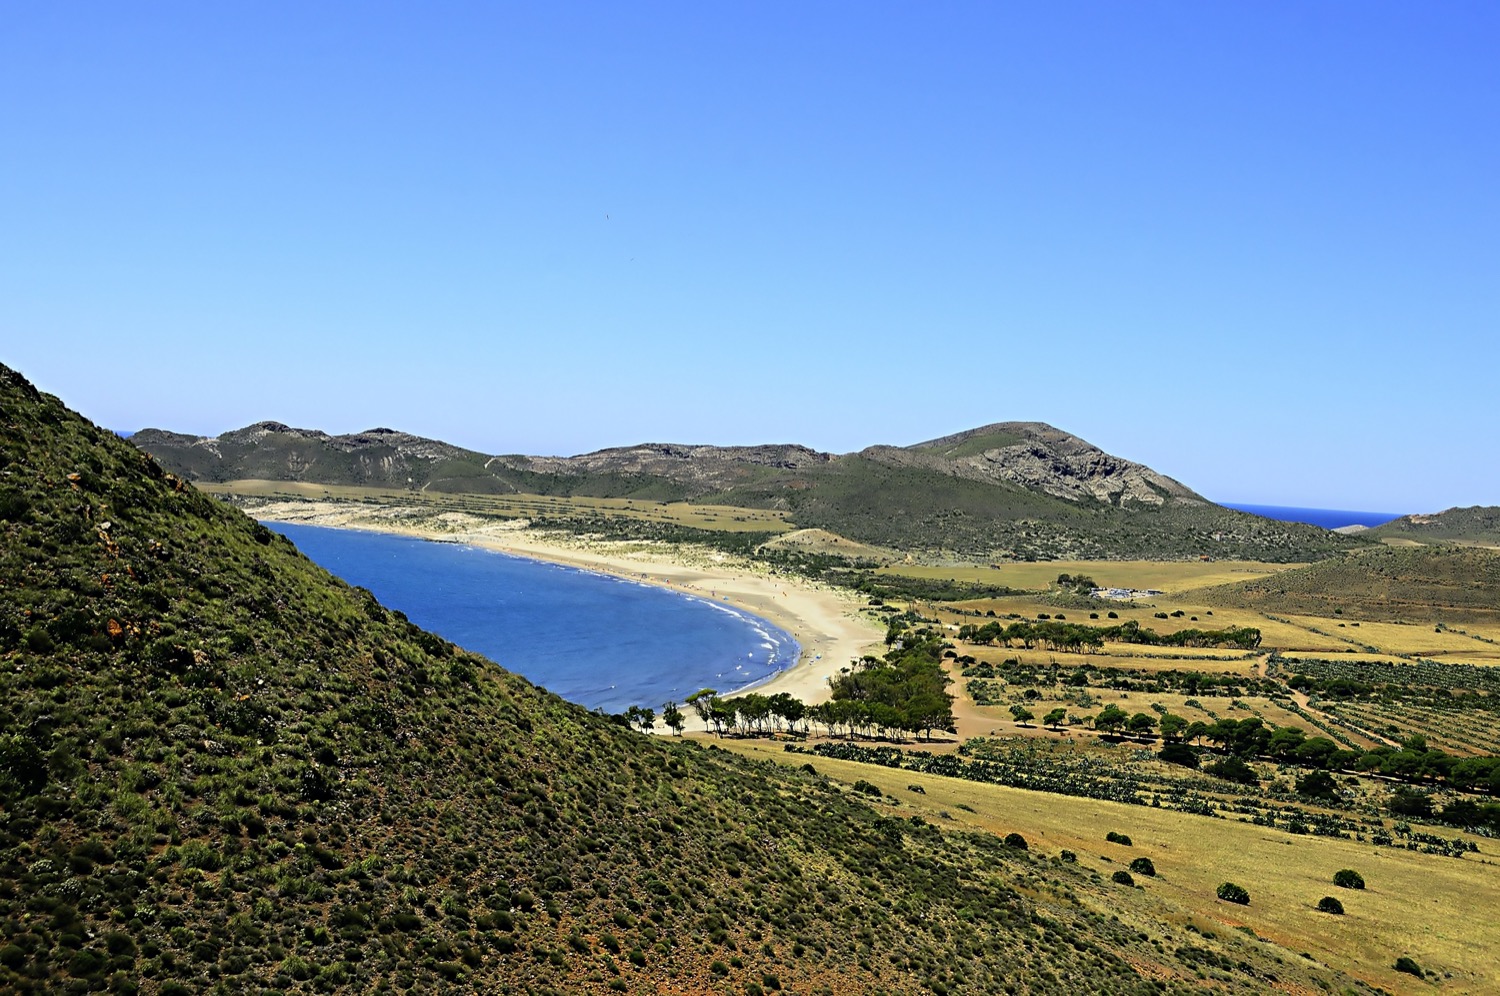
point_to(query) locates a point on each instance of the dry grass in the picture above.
(1291, 635)
(1168, 576)
(723, 518)
(822, 541)
(1439, 911)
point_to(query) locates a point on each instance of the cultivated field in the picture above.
(1167, 576)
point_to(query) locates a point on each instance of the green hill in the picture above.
(1014, 490)
(1478, 525)
(1413, 584)
(221, 769)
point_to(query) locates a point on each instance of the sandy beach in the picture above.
(825, 621)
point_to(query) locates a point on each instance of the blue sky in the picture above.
(1256, 246)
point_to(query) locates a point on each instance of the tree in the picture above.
(1407, 965)
(1410, 802)
(1110, 719)
(1316, 752)
(722, 714)
(702, 702)
(1055, 717)
(1328, 904)
(791, 709)
(1179, 753)
(1348, 878)
(1022, 714)
(644, 718)
(930, 711)
(1141, 724)
(1285, 741)
(1318, 784)
(1231, 893)
(1232, 769)
(672, 716)
(1172, 726)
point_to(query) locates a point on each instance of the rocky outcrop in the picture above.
(712, 467)
(1040, 457)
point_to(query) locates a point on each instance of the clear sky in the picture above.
(1254, 245)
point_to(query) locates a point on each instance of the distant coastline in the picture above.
(1328, 518)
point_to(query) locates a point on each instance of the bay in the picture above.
(1328, 518)
(594, 639)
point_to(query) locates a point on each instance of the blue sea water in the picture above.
(600, 641)
(1328, 518)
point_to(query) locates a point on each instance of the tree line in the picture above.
(1067, 637)
(903, 693)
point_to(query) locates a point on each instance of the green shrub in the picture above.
(868, 789)
(1179, 754)
(1015, 840)
(1143, 866)
(1123, 877)
(1232, 769)
(1119, 838)
(1328, 904)
(1231, 893)
(1405, 964)
(1348, 878)
(85, 963)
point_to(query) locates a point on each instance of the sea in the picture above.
(601, 641)
(1328, 518)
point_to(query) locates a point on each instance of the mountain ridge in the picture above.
(1009, 490)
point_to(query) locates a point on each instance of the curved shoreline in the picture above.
(825, 622)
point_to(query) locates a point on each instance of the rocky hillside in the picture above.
(276, 452)
(1041, 458)
(1012, 490)
(223, 770)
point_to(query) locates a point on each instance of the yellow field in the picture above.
(1418, 640)
(1292, 635)
(1438, 910)
(995, 720)
(1167, 576)
(723, 518)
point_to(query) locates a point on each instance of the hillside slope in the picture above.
(222, 769)
(272, 451)
(1477, 524)
(1412, 584)
(1021, 490)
